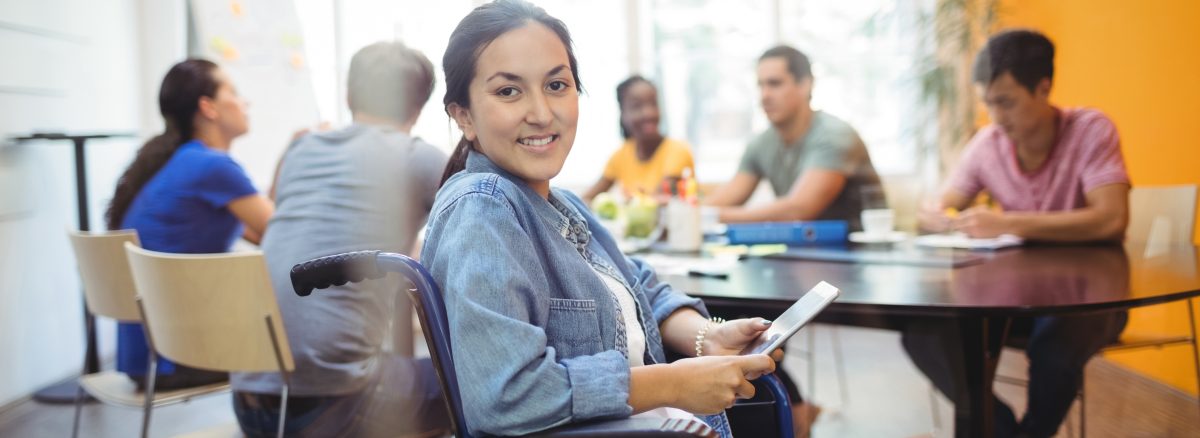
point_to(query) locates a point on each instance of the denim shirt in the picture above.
(535, 333)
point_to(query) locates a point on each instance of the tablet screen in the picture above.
(790, 322)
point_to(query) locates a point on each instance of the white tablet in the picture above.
(787, 324)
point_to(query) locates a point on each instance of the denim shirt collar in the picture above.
(559, 215)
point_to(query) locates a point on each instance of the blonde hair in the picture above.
(389, 80)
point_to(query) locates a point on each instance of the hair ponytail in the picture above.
(150, 159)
(458, 160)
(178, 101)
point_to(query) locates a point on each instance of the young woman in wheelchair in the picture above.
(550, 323)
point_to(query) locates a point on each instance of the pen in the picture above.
(708, 274)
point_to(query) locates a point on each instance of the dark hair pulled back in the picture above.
(178, 101)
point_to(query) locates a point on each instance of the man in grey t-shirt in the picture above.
(817, 164)
(368, 186)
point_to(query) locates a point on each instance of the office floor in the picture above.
(887, 398)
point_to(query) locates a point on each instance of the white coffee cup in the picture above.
(878, 221)
(683, 226)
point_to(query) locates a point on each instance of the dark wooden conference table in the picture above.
(981, 297)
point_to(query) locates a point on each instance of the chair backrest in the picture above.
(1162, 213)
(211, 311)
(431, 310)
(107, 285)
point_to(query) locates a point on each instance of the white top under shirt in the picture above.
(635, 334)
(635, 338)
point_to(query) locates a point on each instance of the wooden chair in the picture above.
(1159, 216)
(1165, 213)
(109, 292)
(212, 311)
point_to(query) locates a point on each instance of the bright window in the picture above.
(865, 58)
(701, 53)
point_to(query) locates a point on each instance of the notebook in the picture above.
(961, 241)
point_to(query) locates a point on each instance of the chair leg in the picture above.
(151, 367)
(934, 409)
(840, 365)
(812, 363)
(1195, 347)
(1082, 410)
(283, 372)
(79, 400)
(148, 405)
(283, 404)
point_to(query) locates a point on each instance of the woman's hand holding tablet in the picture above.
(790, 322)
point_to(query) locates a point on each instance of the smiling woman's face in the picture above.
(524, 104)
(639, 111)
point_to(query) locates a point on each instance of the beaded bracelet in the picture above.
(704, 331)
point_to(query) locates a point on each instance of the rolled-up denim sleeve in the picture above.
(511, 381)
(664, 299)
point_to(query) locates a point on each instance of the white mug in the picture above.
(878, 221)
(683, 226)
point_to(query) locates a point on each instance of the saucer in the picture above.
(890, 237)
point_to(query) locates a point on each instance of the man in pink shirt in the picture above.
(1058, 176)
(1057, 173)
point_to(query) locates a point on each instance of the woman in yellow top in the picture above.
(646, 158)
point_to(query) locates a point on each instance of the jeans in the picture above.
(1058, 349)
(719, 423)
(404, 399)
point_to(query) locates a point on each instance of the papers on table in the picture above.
(906, 256)
(961, 241)
(665, 265)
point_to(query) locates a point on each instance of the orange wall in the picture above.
(1139, 62)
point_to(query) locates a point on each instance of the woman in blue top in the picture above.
(184, 194)
(549, 322)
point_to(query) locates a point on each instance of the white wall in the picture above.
(70, 66)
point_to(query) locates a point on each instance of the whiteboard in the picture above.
(260, 45)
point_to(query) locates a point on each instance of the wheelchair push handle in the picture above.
(335, 270)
